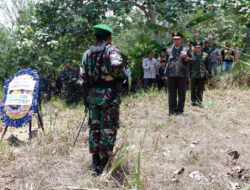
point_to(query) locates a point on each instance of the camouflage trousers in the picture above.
(71, 94)
(104, 122)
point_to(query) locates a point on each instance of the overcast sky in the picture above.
(2, 18)
(21, 4)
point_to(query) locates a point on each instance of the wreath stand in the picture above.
(30, 125)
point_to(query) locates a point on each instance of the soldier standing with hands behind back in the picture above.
(102, 76)
(176, 71)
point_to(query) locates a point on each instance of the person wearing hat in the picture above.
(66, 75)
(191, 48)
(198, 74)
(103, 72)
(176, 72)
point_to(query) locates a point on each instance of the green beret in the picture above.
(68, 61)
(102, 28)
(75, 65)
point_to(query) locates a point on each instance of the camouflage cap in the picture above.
(102, 28)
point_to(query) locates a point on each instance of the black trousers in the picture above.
(148, 82)
(160, 83)
(176, 85)
(197, 87)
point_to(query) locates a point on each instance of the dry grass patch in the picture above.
(150, 147)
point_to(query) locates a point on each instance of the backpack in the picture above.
(97, 61)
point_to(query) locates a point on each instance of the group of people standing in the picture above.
(102, 76)
(179, 66)
(154, 70)
(66, 84)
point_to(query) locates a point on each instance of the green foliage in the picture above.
(50, 32)
(138, 172)
(1, 94)
(201, 19)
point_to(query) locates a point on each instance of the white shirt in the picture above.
(149, 73)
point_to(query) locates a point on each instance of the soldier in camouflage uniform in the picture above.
(74, 89)
(66, 75)
(102, 75)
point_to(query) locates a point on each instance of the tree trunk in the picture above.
(152, 19)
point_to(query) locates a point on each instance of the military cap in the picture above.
(197, 44)
(75, 65)
(68, 61)
(177, 35)
(102, 28)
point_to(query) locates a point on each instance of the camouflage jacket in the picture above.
(111, 70)
(66, 75)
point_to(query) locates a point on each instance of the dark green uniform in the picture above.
(198, 69)
(44, 89)
(66, 76)
(74, 89)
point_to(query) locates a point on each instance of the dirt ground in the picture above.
(203, 149)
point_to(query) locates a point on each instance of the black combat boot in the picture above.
(96, 164)
(104, 162)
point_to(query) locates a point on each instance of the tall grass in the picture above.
(138, 171)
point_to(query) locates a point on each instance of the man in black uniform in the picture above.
(176, 72)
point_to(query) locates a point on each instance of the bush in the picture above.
(239, 77)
